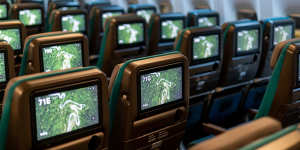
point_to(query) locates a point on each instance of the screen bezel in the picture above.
(159, 108)
(256, 27)
(204, 60)
(160, 27)
(130, 45)
(73, 14)
(283, 23)
(7, 8)
(65, 137)
(16, 51)
(5, 53)
(106, 11)
(37, 25)
(145, 8)
(42, 69)
(208, 15)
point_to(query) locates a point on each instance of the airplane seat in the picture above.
(68, 20)
(281, 98)
(240, 136)
(153, 112)
(242, 50)
(88, 5)
(162, 31)
(7, 68)
(97, 17)
(41, 2)
(33, 103)
(203, 18)
(30, 14)
(274, 31)
(14, 32)
(54, 51)
(247, 13)
(4, 10)
(143, 10)
(61, 5)
(124, 38)
(203, 48)
(287, 138)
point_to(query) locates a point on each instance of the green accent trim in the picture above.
(26, 48)
(269, 139)
(9, 97)
(268, 98)
(103, 44)
(114, 96)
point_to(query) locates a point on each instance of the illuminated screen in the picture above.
(130, 33)
(61, 57)
(205, 46)
(108, 15)
(2, 68)
(31, 17)
(247, 40)
(3, 11)
(146, 14)
(66, 111)
(161, 87)
(207, 21)
(170, 28)
(12, 37)
(282, 33)
(73, 23)
(68, 8)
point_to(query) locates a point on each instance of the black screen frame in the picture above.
(276, 24)
(37, 25)
(130, 45)
(164, 107)
(73, 14)
(252, 51)
(42, 69)
(204, 60)
(65, 137)
(161, 40)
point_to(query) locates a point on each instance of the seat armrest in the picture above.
(212, 129)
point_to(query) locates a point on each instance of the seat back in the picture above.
(33, 102)
(203, 48)
(30, 14)
(242, 51)
(203, 18)
(162, 31)
(124, 38)
(242, 135)
(88, 5)
(154, 108)
(275, 30)
(281, 98)
(143, 10)
(97, 17)
(54, 51)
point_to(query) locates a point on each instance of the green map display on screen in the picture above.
(207, 21)
(161, 87)
(12, 37)
(3, 11)
(205, 46)
(282, 33)
(2, 68)
(170, 28)
(63, 112)
(73, 23)
(146, 14)
(68, 8)
(247, 40)
(130, 33)
(30, 17)
(61, 57)
(108, 15)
